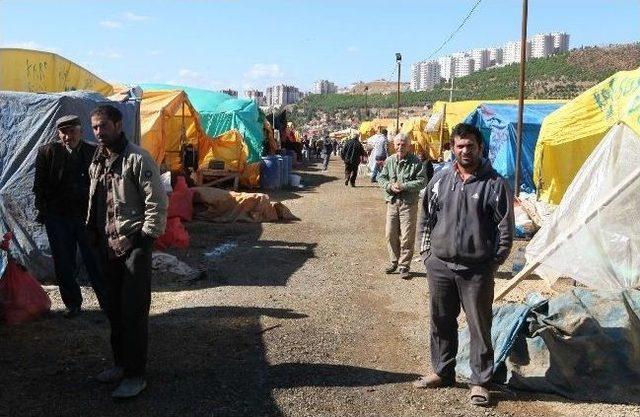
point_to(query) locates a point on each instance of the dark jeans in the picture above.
(128, 281)
(350, 172)
(325, 161)
(448, 290)
(66, 234)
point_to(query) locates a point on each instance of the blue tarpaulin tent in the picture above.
(27, 121)
(498, 124)
(219, 113)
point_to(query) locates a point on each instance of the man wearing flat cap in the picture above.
(61, 188)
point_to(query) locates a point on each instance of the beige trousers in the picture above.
(401, 232)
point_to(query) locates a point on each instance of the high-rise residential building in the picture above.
(429, 75)
(480, 59)
(282, 95)
(464, 66)
(256, 95)
(542, 45)
(232, 93)
(512, 52)
(495, 56)
(324, 87)
(414, 80)
(447, 67)
(560, 42)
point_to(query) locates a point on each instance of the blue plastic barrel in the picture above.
(280, 163)
(287, 163)
(270, 176)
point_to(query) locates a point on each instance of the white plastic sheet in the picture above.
(596, 227)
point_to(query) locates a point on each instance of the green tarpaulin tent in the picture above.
(220, 113)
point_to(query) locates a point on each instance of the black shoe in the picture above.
(405, 273)
(346, 182)
(72, 312)
(391, 268)
(353, 185)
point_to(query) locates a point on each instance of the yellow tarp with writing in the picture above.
(167, 119)
(40, 72)
(569, 134)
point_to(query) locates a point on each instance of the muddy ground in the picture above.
(296, 320)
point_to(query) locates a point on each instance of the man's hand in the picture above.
(397, 187)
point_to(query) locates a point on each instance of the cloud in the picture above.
(189, 77)
(352, 49)
(110, 24)
(153, 52)
(132, 17)
(29, 45)
(259, 71)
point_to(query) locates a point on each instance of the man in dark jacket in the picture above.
(467, 232)
(351, 153)
(327, 148)
(61, 188)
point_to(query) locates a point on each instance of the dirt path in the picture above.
(297, 320)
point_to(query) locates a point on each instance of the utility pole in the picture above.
(523, 59)
(366, 105)
(398, 60)
(451, 88)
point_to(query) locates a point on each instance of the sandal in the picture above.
(479, 395)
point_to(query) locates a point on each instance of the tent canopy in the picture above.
(498, 124)
(220, 113)
(167, 121)
(38, 71)
(570, 134)
(596, 224)
(28, 121)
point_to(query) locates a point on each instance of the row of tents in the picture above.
(38, 87)
(558, 135)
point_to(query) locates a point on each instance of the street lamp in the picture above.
(398, 61)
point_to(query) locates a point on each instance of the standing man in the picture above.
(402, 178)
(127, 212)
(327, 147)
(351, 153)
(467, 232)
(379, 152)
(61, 188)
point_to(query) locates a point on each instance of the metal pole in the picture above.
(523, 59)
(451, 89)
(444, 113)
(398, 96)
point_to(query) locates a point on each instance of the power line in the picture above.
(455, 31)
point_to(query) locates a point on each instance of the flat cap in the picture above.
(67, 121)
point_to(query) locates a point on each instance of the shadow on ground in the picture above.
(204, 361)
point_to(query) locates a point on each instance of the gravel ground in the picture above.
(297, 320)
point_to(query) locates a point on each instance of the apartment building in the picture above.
(232, 93)
(282, 95)
(257, 96)
(324, 87)
(480, 59)
(542, 45)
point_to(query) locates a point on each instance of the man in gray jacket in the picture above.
(466, 233)
(127, 212)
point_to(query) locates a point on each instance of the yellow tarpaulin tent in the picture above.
(167, 120)
(39, 72)
(370, 127)
(415, 129)
(569, 134)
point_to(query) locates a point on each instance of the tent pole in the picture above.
(444, 115)
(523, 58)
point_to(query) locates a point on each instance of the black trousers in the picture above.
(66, 234)
(128, 280)
(350, 172)
(448, 291)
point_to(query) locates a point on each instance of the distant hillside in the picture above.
(560, 77)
